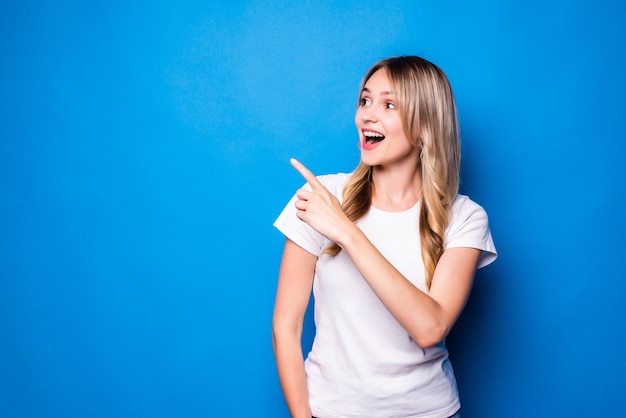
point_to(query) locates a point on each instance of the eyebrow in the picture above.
(383, 93)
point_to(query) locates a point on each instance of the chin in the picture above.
(368, 160)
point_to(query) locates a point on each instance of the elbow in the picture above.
(285, 333)
(277, 339)
(431, 336)
(276, 336)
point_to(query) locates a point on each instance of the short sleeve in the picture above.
(469, 227)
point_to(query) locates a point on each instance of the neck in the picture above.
(396, 189)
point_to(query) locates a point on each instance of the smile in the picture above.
(371, 139)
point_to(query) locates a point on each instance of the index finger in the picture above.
(306, 173)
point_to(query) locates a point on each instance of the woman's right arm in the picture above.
(292, 297)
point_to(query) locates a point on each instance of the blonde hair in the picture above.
(428, 111)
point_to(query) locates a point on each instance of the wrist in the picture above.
(350, 237)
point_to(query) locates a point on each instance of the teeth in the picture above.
(373, 137)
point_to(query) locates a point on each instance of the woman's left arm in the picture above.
(427, 317)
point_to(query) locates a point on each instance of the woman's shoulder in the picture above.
(464, 206)
(462, 201)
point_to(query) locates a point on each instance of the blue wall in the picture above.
(144, 155)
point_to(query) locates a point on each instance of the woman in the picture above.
(390, 252)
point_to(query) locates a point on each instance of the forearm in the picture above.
(417, 312)
(290, 366)
(292, 298)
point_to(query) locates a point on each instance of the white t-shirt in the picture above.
(363, 363)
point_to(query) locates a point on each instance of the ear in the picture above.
(419, 142)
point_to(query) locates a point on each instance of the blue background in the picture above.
(144, 156)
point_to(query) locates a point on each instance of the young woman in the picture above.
(390, 252)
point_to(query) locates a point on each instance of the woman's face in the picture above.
(381, 133)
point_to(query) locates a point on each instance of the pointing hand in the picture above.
(319, 208)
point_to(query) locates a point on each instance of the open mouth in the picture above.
(372, 137)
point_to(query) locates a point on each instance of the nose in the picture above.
(368, 114)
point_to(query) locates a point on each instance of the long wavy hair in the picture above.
(428, 111)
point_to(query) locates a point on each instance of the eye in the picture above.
(389, 105)
(364, 101)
